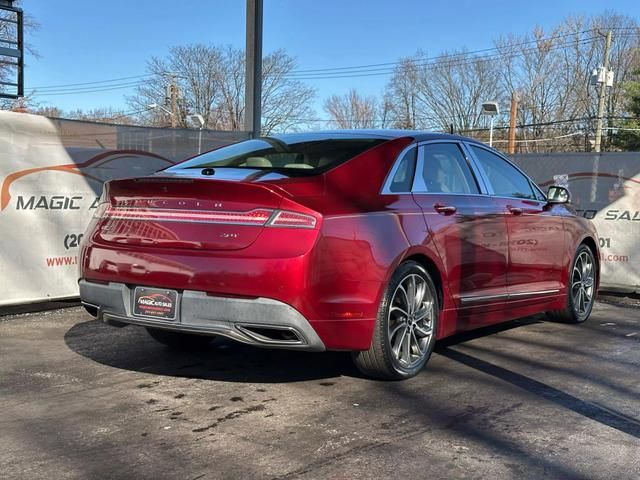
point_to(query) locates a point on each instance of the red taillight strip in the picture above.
(284, 218)
(258, 217)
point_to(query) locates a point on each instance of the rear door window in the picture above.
(445, 170)
(403, 176)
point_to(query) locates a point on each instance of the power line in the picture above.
(451, 61)
(91, 83)
(316, 73)
(445, 60)
(473, 52)
(90, 90)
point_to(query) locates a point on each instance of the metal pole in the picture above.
(253, 76)
(491, 133)
(512, 123)
(603, 93)
(174, 102)
(200, 141)
(20, 32)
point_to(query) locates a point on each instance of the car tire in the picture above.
(581, 289)
(405, 332)
(179, 340)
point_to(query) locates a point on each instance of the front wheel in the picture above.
(581, 289)
(405, 331)
(179, 340)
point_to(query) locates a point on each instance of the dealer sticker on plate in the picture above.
(155, 303)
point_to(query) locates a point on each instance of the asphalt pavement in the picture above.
(526, 400)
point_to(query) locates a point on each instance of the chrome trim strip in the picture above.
(440, 194)
(528, 294)
(246, 329)
(505, 296)
(482, 298)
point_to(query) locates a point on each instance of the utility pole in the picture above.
(602, 93)
(173, 94)
(253, 69)
(512, 124)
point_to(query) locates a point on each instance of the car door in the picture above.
(536, 233)
(466, 227)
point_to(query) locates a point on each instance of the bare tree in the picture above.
(551, 70)
(442, 92)
(451, 89)
(211, 83)
(53, 112)
(400, 96)
(352, 110)
(107, 115)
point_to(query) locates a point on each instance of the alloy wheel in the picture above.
(582, 283)
(411, 320)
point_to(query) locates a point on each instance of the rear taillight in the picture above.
(284, 218)
(103, 203)
(100, 211)
(258, 217)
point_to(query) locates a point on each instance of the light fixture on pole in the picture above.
(198, 120)
(491, 109)
(153, 106)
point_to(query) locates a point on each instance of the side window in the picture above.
(403, 178)
(446, 170)
(505, 179)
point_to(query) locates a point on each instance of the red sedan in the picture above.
(375, 242)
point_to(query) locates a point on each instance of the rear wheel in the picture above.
(581, 289)
(406, 326)
(179, 340)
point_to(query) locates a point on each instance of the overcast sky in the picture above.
(92, 40)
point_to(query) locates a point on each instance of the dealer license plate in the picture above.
(155, 303)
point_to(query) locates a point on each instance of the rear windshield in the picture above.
(306, 157)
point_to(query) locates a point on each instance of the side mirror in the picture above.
(558, 194)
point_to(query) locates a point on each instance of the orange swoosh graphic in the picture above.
(5, 194)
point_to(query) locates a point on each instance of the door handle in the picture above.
(514, 210)
(445, 209)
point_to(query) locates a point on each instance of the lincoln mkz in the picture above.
(373, 242)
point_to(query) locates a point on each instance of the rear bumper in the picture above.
(262, 322)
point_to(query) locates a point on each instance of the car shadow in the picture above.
(131, 348)
(486, 331)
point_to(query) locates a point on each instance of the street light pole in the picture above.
(491, 132)
(198, 120)
(153, 106)
(491, 109)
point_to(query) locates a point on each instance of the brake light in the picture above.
(285, 218)
(256, 217)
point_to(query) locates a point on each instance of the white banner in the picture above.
(47, 195)
(604, 188)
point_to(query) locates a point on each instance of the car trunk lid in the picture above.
(188, 213)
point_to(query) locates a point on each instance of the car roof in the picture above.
(389, 134)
